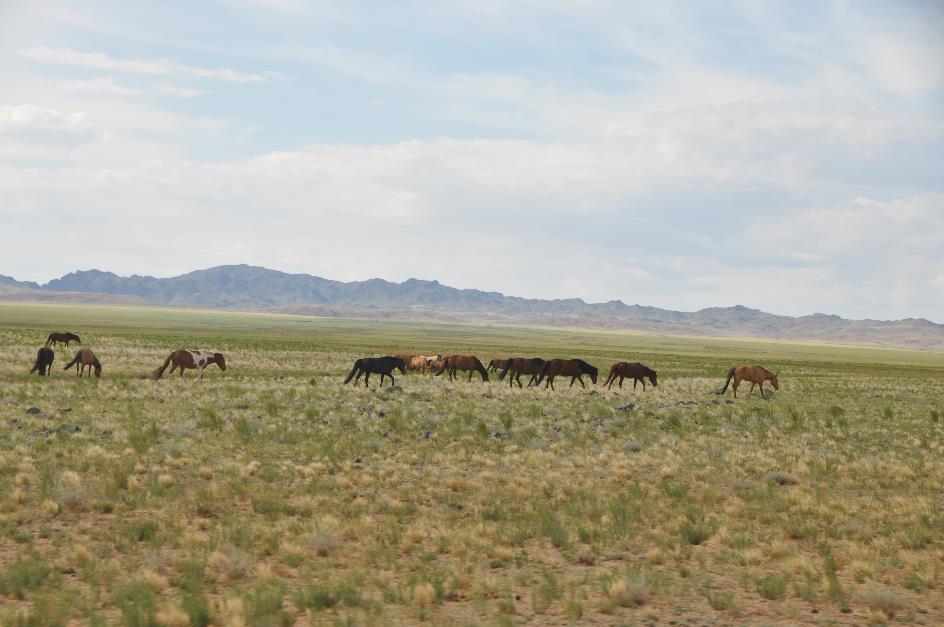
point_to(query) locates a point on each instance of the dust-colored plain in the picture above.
(271, 494)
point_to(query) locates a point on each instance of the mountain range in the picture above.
(252, 288)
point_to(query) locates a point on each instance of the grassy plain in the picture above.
(272, 495)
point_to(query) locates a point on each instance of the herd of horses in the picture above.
(539, 369)
(182, 359)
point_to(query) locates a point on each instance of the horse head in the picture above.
(400, 365)
(220, 361)
(652, 378)
(774, 382)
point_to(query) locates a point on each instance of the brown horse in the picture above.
(519, 366)
(634, 371)
(496, 364)
(420, 363)
(467, 363)
(65, 338)
(84, 357)
(43, 365)
(187, 359)
(573, 368)
(383, 366)
(755, 374)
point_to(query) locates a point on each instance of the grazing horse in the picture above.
(634, 371)
(519, 366)
(43, 365)
(85, 357)
(467, 363)
(383, 366)
(65, 338)
(755, 374)
(420, 363)
(573, 368)
(436, 363)
(185, 359)
(496, 364)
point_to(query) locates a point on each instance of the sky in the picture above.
(787, 156)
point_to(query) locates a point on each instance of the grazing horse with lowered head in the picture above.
(519, 366)
(633, 371)
(384, 366)
(184, 359)
(84, 357)
(466, 363)
(755, 374)
(54, 338)
(573, 368)
(43, 365)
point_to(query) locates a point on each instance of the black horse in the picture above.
(383, 366)
(573, 368)
(520, 366)
(44, 357)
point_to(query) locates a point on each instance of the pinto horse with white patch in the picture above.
(188, 359)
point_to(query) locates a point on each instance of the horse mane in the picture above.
(584, 366)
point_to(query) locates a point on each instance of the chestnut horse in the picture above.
(65, 338)
(634, 371)
(383, 366)
(44, 357)
(573, 368)
(185, 359)
(755, 374)
(467, 363)
(519, 366)
(85, 357)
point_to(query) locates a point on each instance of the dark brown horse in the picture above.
(755, 374)
(43, 365)
(467, 363)
(519, 366)
(65, 338)
(573, 368)
(84, 357)
(187, 359)
(384, 366)
(633, 371)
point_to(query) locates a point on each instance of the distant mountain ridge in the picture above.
(254, 288)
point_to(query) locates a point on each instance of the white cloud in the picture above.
(158, 67)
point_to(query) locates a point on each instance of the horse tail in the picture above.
(610, 376)
(730, 376)
(73, 362)
(37, 365)
(350, 375)
(501, 377)
(159, 372)
(543, 373)
(49, 339)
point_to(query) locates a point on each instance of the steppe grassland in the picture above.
(272, 494)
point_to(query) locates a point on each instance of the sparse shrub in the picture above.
(23, 576)
(882, 599)
(773, 587)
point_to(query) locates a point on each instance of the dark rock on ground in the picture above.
(33, 411)
(627, 407)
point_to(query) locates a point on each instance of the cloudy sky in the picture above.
(786, 156)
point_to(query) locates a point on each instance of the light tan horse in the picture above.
(85, 358)
(755, 374)
(420, 363)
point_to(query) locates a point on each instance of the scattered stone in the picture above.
(688, 402)
(728, 401)
(427, 434)
(65, 410)
(357, 460)
(768, 394)
(633, 446)
(627, 407)
(586, 559)
(498, 434)
(382, 414)
(33, 411)
(69, 429)
(392, 388)
(383, 434)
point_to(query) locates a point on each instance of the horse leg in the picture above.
(366, 378)
(470, 376)
(737, 382)
(752, 388)
(643, 381)
(580, 379)
(383, 375)
(392, 382)
(761, 386)
(518, 379)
